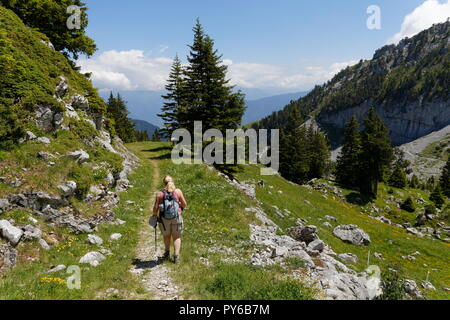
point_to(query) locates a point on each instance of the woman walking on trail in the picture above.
(169, 205)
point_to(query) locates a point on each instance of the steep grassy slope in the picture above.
(30, 280)
(392, 242)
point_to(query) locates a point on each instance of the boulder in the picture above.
(331, 218)
(10, 232)
(412, 289)
(316, 245)
(58, 268)
(280, 252)
(31, 232)
(8, 257)
(4, 205)
(62, 87)
(427, 285)
(80, 156)
(305, 234)
(68, 189)
(110, 179)
(115, 236)
(44, 118)
(80, 102)
(348, 257)
(44, 140)
(45, 156)
(44, 245)
(352, 234)
(94, 240)
(415, 232)
(327, 224)
(93, 258)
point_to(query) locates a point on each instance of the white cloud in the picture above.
(127, 70)
(423, 17)
(132, 70)
(254, 75)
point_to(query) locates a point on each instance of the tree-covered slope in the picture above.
(408, 84)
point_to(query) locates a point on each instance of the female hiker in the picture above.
(169, 205)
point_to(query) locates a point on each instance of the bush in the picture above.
(83, 176)
(10, 128)
(408, 205)
(392, 285)
(430, 210)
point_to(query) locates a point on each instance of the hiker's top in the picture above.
(178, 196)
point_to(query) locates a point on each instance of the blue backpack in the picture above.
(169, 208)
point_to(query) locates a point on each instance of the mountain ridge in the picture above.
(408, 84)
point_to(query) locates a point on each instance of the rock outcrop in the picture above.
(352, 234)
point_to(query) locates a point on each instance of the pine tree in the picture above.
(172, 110)
(414, 183)
(376, 155)
(398, 178)
(319, 162)
(156, 137)
(209, 97)
(118, 111)
(445, 179)
(348, 161)
(437, 197)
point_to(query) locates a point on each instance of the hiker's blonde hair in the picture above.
(169, 184)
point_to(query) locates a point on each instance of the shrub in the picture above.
(392, 285)
(408, 205)
(83, 176)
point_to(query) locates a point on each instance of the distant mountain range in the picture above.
(258, 109)
(145, 105)
(142, 125)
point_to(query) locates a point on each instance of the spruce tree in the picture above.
(172, 110)
(209, 97)
(118, 111)
(398, 178)
(437, 197)
(319, 161)
(445, 179)
(414, 183)
(376, 155)
(348, 161)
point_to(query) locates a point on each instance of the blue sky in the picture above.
(285, 45)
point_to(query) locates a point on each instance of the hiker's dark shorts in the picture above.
(172, 227)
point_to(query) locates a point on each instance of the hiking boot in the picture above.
(166, 255)
(176, 259)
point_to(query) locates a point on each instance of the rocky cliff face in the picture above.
(408, 85)
(407, 121)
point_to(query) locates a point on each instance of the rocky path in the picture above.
(147, 267)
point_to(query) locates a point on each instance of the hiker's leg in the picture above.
(167, 242)
(176, 243)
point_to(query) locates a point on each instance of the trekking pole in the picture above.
(156, 235)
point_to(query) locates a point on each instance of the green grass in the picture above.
(216, 219)
(391, 242)
(24, 281)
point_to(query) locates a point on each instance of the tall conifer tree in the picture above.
(172, 110)
(347, 166)
(376, 155)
